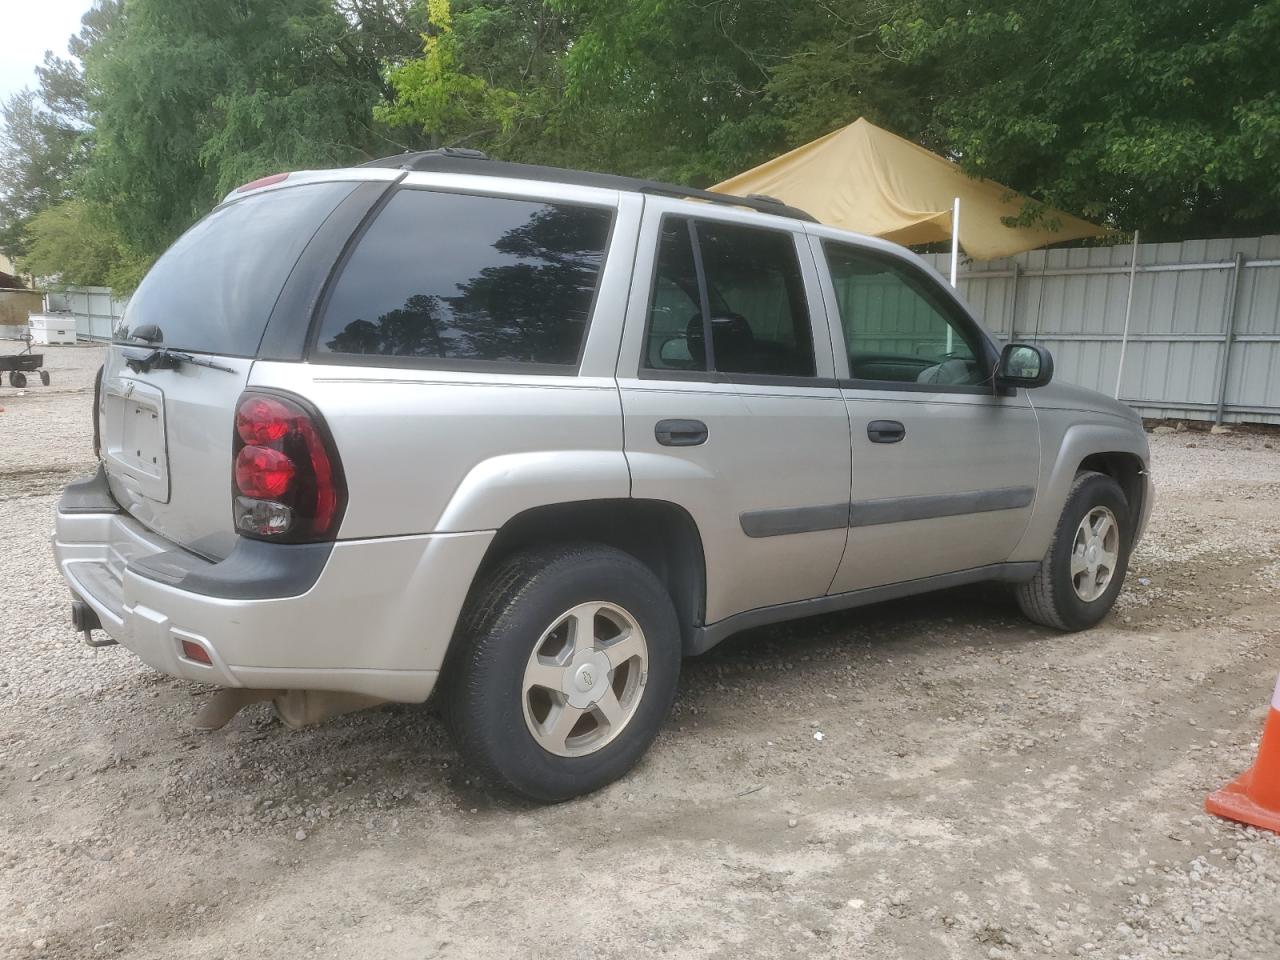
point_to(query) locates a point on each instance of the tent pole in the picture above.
(955, 257)
(955, 238)
(1128, 309)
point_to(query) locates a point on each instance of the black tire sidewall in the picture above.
(493, 688)
(1095, 491)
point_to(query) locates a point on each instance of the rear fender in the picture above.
(497, 489)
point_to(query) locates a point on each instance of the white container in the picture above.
(49, 328)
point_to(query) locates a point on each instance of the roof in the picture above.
(455, 160)
(869, 180)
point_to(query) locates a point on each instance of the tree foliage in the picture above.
(1161, 116)
(71, 242)
(193, 97)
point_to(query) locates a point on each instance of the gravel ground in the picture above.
(982, 788)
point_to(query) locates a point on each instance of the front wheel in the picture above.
(564, 667)
(1083, 570)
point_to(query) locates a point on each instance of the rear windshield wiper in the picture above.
(163, 358)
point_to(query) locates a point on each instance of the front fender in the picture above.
(1060, 457)
(497, 489)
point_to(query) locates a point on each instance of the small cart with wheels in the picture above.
(20, 364)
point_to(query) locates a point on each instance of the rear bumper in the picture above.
(362, 616)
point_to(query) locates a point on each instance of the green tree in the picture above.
(697, 92)
(190, 98)
(71, 243)
(490, 74)
(1164, 117)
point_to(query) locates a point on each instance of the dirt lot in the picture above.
(982, 788)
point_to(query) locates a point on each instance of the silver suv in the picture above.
(531, 436)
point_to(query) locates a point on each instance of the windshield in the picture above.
(213, 290)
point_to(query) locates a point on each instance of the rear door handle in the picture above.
(680, 433)
(885, 431)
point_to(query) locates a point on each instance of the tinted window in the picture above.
(213, 290)
(451, 277)
(675, 319)
(895, 327)
(758, 315)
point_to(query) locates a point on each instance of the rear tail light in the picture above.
(287, 482)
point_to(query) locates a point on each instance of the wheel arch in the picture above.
(1125, 468)
(1108, 445)
(660, 534)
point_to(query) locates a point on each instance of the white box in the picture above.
(52, 328)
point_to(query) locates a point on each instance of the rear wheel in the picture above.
(1083, 570)
(17, 379)
(564, 667)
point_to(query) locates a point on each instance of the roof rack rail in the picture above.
(464, 160)
(411, 159)
(753, 201)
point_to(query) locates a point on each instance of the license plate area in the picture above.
(135, 447)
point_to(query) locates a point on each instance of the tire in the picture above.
(1052, 597)
(17, 379)
(44, 377)
(504, 726)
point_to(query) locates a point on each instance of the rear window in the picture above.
(444, 279)
(213, 290)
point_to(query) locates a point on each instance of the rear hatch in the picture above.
(182, 353)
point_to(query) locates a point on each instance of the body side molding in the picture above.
(866, 513)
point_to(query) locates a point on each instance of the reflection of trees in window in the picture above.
(534, 309)
(409, 331)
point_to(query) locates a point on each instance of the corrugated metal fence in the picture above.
(1204, 333)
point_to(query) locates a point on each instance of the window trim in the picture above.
(930, 288)
(312, 355)
(644, 372)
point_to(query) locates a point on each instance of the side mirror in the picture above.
(1024, 365)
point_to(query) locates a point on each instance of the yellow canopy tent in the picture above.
(863, 178)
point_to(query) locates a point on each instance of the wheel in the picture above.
(563, 668)
(44, 377)
(1083, 571)
(17, 379)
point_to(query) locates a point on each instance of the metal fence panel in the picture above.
(1204, 330)
(94, 308)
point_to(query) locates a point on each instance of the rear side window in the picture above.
(756, 310)
(454, 279)
(213, 290)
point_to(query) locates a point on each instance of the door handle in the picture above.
(885, 431)
(680, 433)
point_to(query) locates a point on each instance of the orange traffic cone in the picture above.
(1254, 796)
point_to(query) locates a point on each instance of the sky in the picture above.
(27, 29)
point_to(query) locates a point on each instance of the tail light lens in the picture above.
(287, 483)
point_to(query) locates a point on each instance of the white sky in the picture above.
(27, 29)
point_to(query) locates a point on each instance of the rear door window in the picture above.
(444, 279)
(213, 290)
(756, 309)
